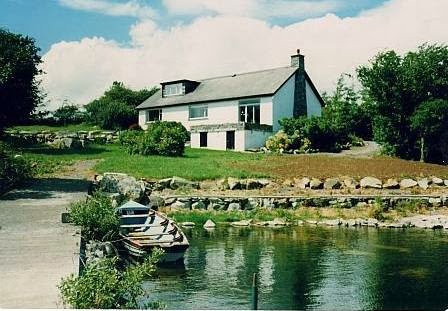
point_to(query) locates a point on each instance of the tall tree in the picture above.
(19, 88)
(398, 85)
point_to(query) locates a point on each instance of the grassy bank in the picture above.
(201, 164)
(56, 128)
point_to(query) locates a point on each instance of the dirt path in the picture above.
(36, 249)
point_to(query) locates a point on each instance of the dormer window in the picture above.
(173, 89)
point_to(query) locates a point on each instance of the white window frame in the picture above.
(147, 113)
(204, 115)
(173, 89)
(249, 103)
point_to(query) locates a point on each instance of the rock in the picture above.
(198, 205)
(316, 183)
(169, 201)
(391, 184)
(288, 183)
(251, 204)
(437, 181)
(332, 183)
(277, 222)
(216, 206)
(268, 203)
(264, 182)
(408, 183)
(350, 183)
(423, 183)
(445, 182)
(242, 223)
(123, 184)
(187, 224)
(156, 201)
(332, 222)
(435, 201)
(371, 182)
(164, 183)
(302, 183)
(222, 184)
(209, 224)
(234, 207)
(179, 205)
(372, 222)
(252, 184)
(178, 182)
(233, 183)
(361, 204)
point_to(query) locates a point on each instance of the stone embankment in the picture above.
(61, 140)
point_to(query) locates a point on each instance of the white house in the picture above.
(238, 111)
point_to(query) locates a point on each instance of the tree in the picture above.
(430, 120)
(19, 89)
(397, 86)
(116, 108)
(67, 113)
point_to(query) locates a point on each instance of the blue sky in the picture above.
(51, 21)
(88, 44)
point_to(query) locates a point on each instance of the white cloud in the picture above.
(211, 46)
(130, 8)
(253, 8)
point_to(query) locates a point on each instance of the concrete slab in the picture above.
(36, 249)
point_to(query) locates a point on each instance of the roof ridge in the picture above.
(244, 73)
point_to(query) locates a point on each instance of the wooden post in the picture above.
(254, 293)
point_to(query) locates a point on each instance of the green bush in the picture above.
(13, 168)
(161, 138)
(103, 286)
(278, 142)
(96, 217)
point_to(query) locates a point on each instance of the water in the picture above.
(309, 268)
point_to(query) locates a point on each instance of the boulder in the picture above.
(252, 184)
(371, 182)
(123, 184)
(407, 183)
(156, 201)
(332, 183)
(302, 183)
(209, 224)
(242, 223)
(423, 183)
(277, 222)
(445, 182)
(179, 205)
(251, 204)
(222, 184)
(164, 183)
(437, 181)
(316, 183)
(435, 201)
(233, 183)
(391, 184)
(178, 182)
(198, 205)
(332, 222)
(350, 183)
(216, 206)
(169, 201)
(234, 207)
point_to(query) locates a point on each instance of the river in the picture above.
(316, 268)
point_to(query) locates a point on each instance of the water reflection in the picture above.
(309, 268)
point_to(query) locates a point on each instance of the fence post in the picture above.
(254, 292)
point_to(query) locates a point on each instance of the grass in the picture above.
(201, 164)
(56, 128)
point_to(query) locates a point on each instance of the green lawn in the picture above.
(50, 128)
(196, 164)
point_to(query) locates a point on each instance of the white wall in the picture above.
(313, 106)
(142, 119)
(283, 103)
(218, 113)
(255, 139)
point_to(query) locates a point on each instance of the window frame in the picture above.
(147, 114)
(255, 105)
(180, 89)
(204, 117)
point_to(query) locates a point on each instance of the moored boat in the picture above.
(142, 229)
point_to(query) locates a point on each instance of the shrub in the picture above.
(13, 168)
(96, 217)
(161, 138)
(103, 286)
(278, 142)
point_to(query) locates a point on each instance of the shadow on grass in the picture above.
(93, 150)
(46, 188)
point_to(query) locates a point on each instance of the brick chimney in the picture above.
(298, 60)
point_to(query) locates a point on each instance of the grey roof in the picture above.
(258, 83)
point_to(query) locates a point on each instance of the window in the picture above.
(202, 139)
(198, 112)
(153, 115)
(250, 111)
(173, 89)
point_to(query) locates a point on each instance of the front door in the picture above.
(230, 140)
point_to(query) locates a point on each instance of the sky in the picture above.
(88, 44)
